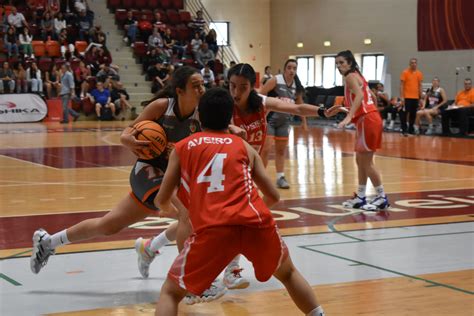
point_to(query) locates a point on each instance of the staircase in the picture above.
(130, 72)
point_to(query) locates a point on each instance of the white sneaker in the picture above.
(429, 131)
(215, 291)
(282, 183)
(377, 204)
(391, 126)
(233, 280)
(41, 250)
(145, 256)
(355, 202)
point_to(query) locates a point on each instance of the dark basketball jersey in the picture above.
(433, 98)
(285, 93)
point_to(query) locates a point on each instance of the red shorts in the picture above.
(207, 253)
(368, 132)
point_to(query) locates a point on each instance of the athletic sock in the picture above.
(361, 191)
(318, 311)
(59, 239)
(380, 191)
(280, 174)
(159, 242)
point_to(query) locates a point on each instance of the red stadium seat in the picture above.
(166, 4)
(92, 81)
(149, 15)
(114, 4)
(74, 63)
(44, 64)
(140, 49)
(141, 4)
(128, 4)
(173, 16)
(137, 14)
(153, 4)
(183, 32)
(185, 17)
(120, 17)
(178, 4)
(81, 46)
(59, 62)
(53, 49)
(164, 17)
(39, 48)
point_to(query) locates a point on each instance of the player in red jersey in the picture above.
(218, 170)
(363, 113)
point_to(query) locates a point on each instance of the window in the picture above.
(372, 66)
(330, 74)
(306, 70)
(222, 30)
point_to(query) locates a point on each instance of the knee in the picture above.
(108, 230)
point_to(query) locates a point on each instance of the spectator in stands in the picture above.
(20, 76)
(120, 99)
(104, 57)
(85, 24)
(462, 108)
(130, 27)
(172, 45)
(145, 27)
(155, 40)
(266, 75)
(157, 23)
(81, 74)
(67, 92)
(108, 75)
(198, 24)
(196, 43)
(17, 20)
(159, 76)
(383, 102)
(102, 100)
(432, 105)
(225, 74)
(90, 59)
(51, 81)
(152, 57)
(208, 76)
(10, 41)
(59, 23)
(67, 44)
(205, 56)
(47, 27)
(81, 5)
(26, 43)
(8, 79)
(410, 94)
(33, 76)
(211, 40)
(97, 36)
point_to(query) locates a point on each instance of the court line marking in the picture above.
(10, 280)
(389, 270)
(30, 162)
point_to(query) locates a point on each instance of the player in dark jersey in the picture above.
(226, 211)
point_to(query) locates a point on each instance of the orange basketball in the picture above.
(152, 131)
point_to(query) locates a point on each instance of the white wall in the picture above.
(391, 24)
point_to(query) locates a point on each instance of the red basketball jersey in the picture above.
(255, 124)
(367, 105)
(215, 171)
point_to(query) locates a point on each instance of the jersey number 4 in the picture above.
(217, 177)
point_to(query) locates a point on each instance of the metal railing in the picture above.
(225, 53)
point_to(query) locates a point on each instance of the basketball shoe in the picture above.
(215, 291)
(145, 256)
(355, 202)
(377, 204)
(233, 280)
(41, 250)
(282, 183)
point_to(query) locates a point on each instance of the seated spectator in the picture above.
(120, 99)
(101, 98)
(17, 20)
(67, 44)
(108, 75)
(81, 74)
(159, 76)
(26, 40)
(20, 76)
(97, 36)
(130, 27)
(8, 79)
(267, 74)
(205, 56)
(10, 41)
(155, 40)
(90, 59)
(196, 43)
(59, 23)
(51, 81)
(462, 108)
(145, 27)
(383, 102)
(152, 57)
(33, 76)
(198, 24)
(394, 108)
(211, 40)
(85, 25)
(47, 27)
(171, 45)
(81, 5)
(104, 57)
(208, 76)
(432, 105)
(157, 23)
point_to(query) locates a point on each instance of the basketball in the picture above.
(152, 131)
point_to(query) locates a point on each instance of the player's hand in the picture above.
(167, 210)
(333, 110)
(344, 122)
(235, 130)
(129, 139)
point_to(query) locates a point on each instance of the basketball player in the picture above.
(249, 113)
(226, 211)
(363, 113)
(288, 88)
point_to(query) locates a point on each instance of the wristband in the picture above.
(321, 112)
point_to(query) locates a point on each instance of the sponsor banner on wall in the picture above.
(27, 107)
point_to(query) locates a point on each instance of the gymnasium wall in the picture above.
(249, 30)
(391, 24)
